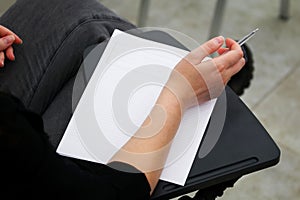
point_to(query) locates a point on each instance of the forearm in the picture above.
(147, 150)
(192, 82)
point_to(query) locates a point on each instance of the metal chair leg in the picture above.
(143, 13)
(217, 18)
(284, 9)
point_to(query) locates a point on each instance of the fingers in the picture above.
(233, 53)
(10, 53)
(18, 40)
(232, 45)
(6, 42)
(209, 47)
(236, 67)
(7, 39)
(222, 50)
(4, 32)
(2, 57)
(231, 62)
(229, 59)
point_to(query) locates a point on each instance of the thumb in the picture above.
(6, 41)
(197, 55)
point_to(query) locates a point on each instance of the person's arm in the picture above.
(7, 39)
(191, 83)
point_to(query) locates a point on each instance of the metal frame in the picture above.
(143, 12)
(217, 18)
(218, 14)
(284, 11)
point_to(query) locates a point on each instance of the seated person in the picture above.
(29, 164)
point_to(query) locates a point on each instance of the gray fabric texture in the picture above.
(55, 34)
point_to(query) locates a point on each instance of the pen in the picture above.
(247, 37)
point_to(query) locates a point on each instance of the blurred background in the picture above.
(273, 95)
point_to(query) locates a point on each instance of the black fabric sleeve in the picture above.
(31, 168)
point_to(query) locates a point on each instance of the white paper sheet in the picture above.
(130, 75)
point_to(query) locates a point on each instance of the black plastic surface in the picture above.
(243, 147)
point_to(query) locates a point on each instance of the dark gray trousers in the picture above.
(55, 35)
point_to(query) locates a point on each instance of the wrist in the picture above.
(170, 102)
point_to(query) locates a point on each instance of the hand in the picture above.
(194, 81)
(190, 83)
(7, 39)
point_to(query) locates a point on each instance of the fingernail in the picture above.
(9, 39)
(2, 64)
(219, 40)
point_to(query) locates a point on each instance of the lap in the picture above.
(55, 34)
(30, 167)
